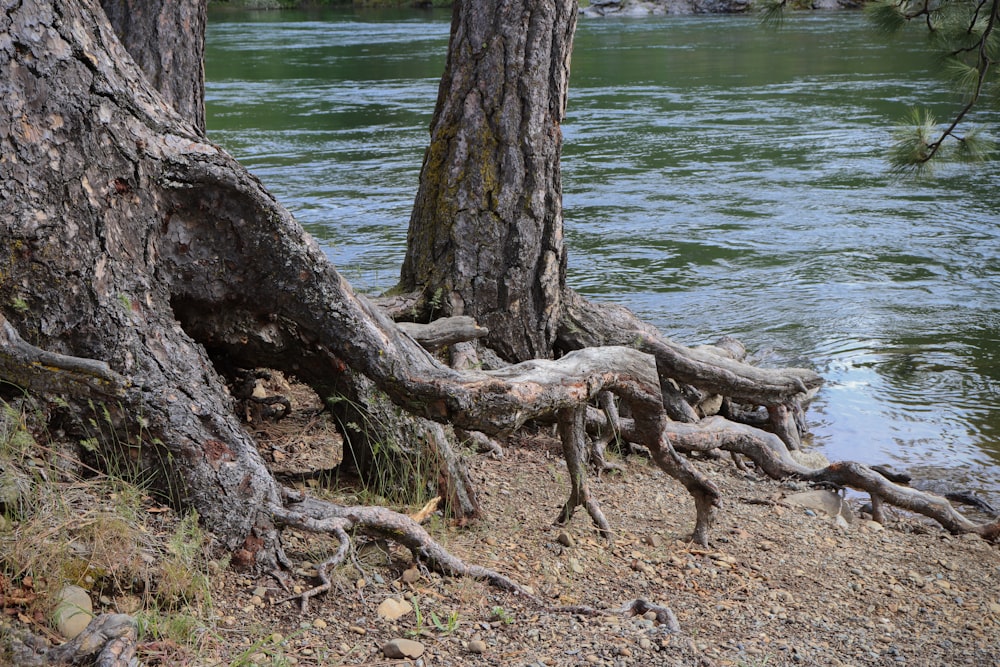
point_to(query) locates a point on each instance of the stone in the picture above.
(822, 501)
(565, 539)
(403, 648)
(477, 646)
(411, 575)
(319, 624)
(74, 611)
(652, 540)
(391, 609)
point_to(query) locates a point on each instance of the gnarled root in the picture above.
(316, 516)
(573, 433)
(322, 517)
(108, 641)
(770, 455)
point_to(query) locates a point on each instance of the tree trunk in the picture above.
(485, 236)
(83, 221)
(167, 40)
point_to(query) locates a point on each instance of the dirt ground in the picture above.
(779, 584)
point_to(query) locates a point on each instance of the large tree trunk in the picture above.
(485, 236)
(85, 226)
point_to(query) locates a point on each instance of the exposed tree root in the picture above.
(108, 641)
(572, 433)
(768, 452)
(39, 370)
(307, 513)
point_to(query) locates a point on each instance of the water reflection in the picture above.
(717, 187)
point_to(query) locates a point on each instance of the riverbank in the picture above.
(780, 584)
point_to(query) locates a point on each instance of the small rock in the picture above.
(574, 565)
(358, 630)
(652, 540)
(392, 609)
(319, 624)
(73, 612)
(477, 646)
(403, 648)
(565, 539)
(824, 501)
(411, 575)
(873, 526)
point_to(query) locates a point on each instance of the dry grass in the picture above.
(102, 532)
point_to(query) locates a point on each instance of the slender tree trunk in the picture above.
(485, 236)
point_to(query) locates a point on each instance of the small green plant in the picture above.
(19, 305)
(419, 628)
(502, 615)
(268, 650)
(435, 303)
(448, 626)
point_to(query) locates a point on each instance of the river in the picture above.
(719, 178)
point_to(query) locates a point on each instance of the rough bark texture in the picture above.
(167, 40)
(485, 237)
(86, 145)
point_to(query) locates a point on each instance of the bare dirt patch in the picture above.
(780, 585)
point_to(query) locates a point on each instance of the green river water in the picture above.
(719, 178)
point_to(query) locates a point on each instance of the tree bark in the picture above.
(485, 237)
(167, 40)
(85, 147)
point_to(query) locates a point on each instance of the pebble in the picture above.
(403, 648)
(477, 646)
(565, 539)
(319, 624)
